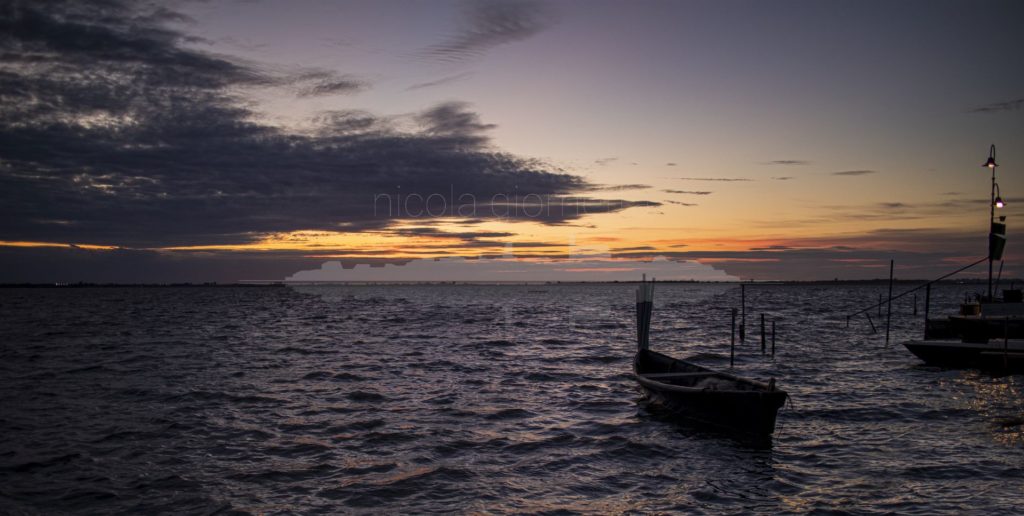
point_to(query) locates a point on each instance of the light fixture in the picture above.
(998, 201)
(991, 163)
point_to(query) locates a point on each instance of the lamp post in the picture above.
(995, 202)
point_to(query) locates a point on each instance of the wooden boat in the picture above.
(700, 394)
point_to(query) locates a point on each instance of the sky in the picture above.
(255, 140)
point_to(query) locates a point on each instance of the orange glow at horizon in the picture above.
(91, 247)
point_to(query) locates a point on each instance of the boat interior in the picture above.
(668, 370)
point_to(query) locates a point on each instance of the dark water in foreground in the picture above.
(475, 398)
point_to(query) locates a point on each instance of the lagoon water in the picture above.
(469, 398)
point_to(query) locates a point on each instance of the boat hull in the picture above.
(994, 355)
(745, 413)
(719, 399)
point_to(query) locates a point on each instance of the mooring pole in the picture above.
(927, 303)
(773, 338)
(872, 323)
(888, 309)
(743, 312)
(879, 304)
(915, 304)
(732, 341)
(762, 334)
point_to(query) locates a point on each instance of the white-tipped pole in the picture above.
(644, 305)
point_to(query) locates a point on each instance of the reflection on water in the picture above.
(477, 398)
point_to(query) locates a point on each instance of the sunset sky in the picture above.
(235, 140)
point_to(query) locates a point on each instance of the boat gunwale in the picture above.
(762, 387)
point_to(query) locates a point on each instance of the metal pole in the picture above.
(762, 334)
(991, 220)
(888, 310)
(732, 341)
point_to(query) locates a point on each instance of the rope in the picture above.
(919, 287)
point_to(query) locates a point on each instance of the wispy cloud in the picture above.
(324, 83)
(783, 178)
(619, 188)
(724, 179)
(488, 24)
(605, 161)
(679, 203)
(688, 192)
(998, 107)
(438, 82)
(893, 205)
(854, 172)
(670, 164)
(788, 162)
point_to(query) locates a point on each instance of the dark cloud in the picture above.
(438, 82)
(893, 205)
(112, 132)
(619, 188)
(689, 192)
(788, 162)
(488, 24)
(435, 232)
(330, 85)
(636, 248)
(772, 248)
(678, 203)
(725, 179)
(999, 107)
(340, 122)
(855, 172)
(454, 119)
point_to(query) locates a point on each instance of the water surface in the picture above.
(477, 398)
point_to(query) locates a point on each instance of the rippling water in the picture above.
(476, 398)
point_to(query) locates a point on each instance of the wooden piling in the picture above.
(743, 312)
(762, 334)
(915, 304)
(888, 310)
(927, 303)
(773, 338)
(732, 341)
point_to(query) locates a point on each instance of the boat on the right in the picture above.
(988, 331)
(986, 334)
